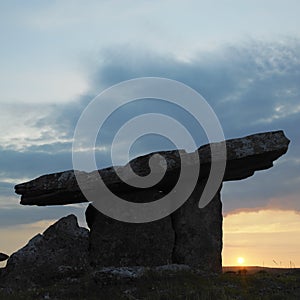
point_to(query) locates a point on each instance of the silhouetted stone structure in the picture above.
(190, 235)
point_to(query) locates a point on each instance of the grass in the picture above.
(262, 285)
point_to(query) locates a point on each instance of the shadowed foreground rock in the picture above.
(189, 236)
(61, 249)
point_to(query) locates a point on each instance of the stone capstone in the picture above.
(244, 156)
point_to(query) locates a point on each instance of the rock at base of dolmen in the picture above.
(198, 241)
(119, 244)
(46, 258)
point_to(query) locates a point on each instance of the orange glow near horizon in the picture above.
(269, 238)
(263, 237)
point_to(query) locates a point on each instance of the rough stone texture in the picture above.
(115, 243)
(244, 156)
(3, 257)
(62, 247)
(190, 236)
(111, 275)
(198, 233)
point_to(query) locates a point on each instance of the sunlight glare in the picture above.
(240, 260)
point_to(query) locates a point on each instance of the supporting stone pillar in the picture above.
(198, 232)
(190, 236)
(115, 243)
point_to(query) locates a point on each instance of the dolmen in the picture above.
(189, 236)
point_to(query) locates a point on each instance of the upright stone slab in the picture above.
(198, 232)
(115, 243)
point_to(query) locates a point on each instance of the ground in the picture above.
(235, 283)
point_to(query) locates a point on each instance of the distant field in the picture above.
(253, 270)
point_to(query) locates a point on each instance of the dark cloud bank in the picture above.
(252, 87)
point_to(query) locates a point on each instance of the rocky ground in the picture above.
(169, 282)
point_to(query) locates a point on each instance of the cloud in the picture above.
(17, 164)
(20, 215)
(253, 87)
(244, 84)
(277, 187)
(262, 221)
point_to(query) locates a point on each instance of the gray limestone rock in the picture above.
(198, 233)
(64, 245)
(244, 156)
(119, 244)
(189, 236)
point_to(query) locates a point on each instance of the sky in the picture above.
(243, 57)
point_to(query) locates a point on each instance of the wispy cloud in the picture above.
(262, 220)
(244, 83)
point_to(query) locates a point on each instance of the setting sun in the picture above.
(240, 260)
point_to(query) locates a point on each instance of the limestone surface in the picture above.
(244, 156)
(62, 248)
